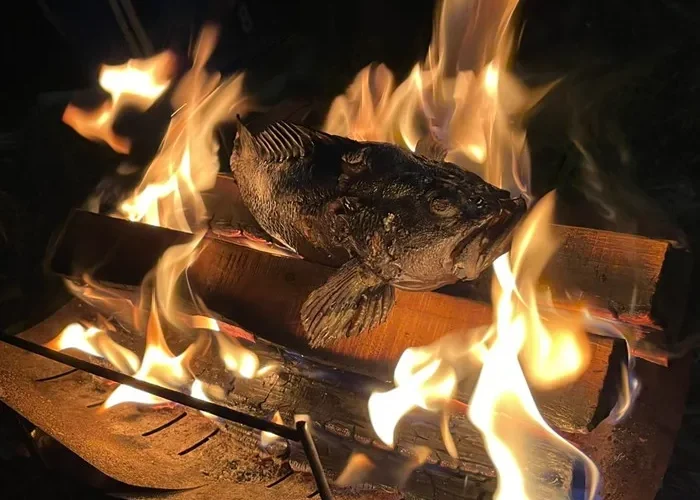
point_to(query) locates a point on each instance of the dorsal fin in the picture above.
(282, 140)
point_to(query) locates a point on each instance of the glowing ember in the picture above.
(138, 83)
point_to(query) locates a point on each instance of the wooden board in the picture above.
(264, 293)
(639, 282)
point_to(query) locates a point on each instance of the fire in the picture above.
(502, 404)
(521, 346)
(138, 83)
(462, 96)
(267, 439)
(158, 366)
(187, 163)
(357, 469)
(422, 380)
(170, 195)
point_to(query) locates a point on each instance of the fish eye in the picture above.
(443, 207)
(355, 162)
(355, 157)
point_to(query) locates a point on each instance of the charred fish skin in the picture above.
(385, 216)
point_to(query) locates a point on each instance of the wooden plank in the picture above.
(639, 282)
(264, 293)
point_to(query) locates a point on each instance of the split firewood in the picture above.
(263, 293)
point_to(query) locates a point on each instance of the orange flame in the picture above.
(267, 439)
(187, 163)
(138, 83)
(462, 96)
(358, 468)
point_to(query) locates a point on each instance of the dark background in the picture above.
(630, 97)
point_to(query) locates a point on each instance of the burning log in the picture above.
(638, 282)
(237, 283)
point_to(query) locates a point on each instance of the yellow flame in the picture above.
(358, 468)
(201, 391)
(268, 438)
(138, 83)
(97, 342)
(187, 163)
(425, 377)
(422, 381)
(238, 359)
(158, 366)
(502, 405)
(462, 95)
(169, 195)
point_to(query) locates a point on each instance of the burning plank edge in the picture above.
(236, 283)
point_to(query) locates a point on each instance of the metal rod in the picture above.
(314, 461)
(162, 392)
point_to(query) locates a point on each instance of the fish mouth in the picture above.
(481, 247)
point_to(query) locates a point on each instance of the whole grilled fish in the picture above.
(385, 216)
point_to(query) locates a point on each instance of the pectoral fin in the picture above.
(352, 301)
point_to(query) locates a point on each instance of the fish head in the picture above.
(456, 231)
(487, 219)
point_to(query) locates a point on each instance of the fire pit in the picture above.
(183, 362)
